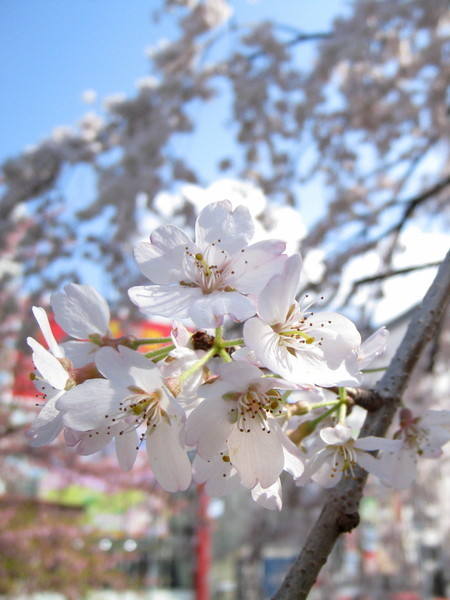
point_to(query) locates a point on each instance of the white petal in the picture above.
(81, 311)
(339, 434)
(293, 462)
(126, 367)
(80, 353)
(217, 221)
(209, 426)
(376, 443)
(161, 260)
(329, 473)
(93, 441)
(165, 300)
(47, 425)
(398, 469)
(48, 365)
(257, 455)
(91, 404)
(372, 347)
(126, 448)
(168, 458)
(258, 264)
(269, 497)
(239, 375)
(219, 476)
(209, 310)
(372, 465)
(44, 325)
(278, 296)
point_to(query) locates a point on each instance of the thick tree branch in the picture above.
(340, 512)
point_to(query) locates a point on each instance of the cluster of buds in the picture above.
(223, 412)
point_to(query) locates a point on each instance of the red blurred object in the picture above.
(203, 546)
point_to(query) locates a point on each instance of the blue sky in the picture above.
(53, 50)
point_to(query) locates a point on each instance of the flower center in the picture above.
(346, 454)
(203, 272)
(254, 406)
(140, 408)
(295, 331)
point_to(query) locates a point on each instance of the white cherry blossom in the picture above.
(298, 344)
(340, 454)
(53, 379)
(419, 437)
(133, 405)
(238, 414)
(83, 314)
(221, 478)
(219, 274)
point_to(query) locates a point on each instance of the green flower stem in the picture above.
(159, 352)
(198, 365)
(224, 355)
(326, 414)
(325, 403)
(218, 337)
(343, 405)
(228, 343)
(373, 370)
(150, 341)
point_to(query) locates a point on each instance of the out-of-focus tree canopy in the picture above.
(368, 119)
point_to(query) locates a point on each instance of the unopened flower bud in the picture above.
(303, 430)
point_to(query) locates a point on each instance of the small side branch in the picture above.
(340, 512)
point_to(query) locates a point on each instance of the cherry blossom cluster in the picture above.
(220, 411)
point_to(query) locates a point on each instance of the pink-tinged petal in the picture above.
(376, 443)
(93, 441)
(293, 462)
(278, 295)
(258, 264)
(80, 353)
(209, 426)
(435, 418)
(269, 497)
(217, 221)
(48, 365)
(44, 325)
(72, 437)
(161, 260)
(81, 311)
(91, 404)
(126, 367)
(209, 311)
(167, 456)
(219, 475)
(337, 435)
(239, 375)
(257, 454)
(338, 336)
(371, 465)
(262, 339)
(127, 446)
(398, 469)
(165, 300)
(372, 347)
(330, 471)
(47, 425)
(181, 336)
